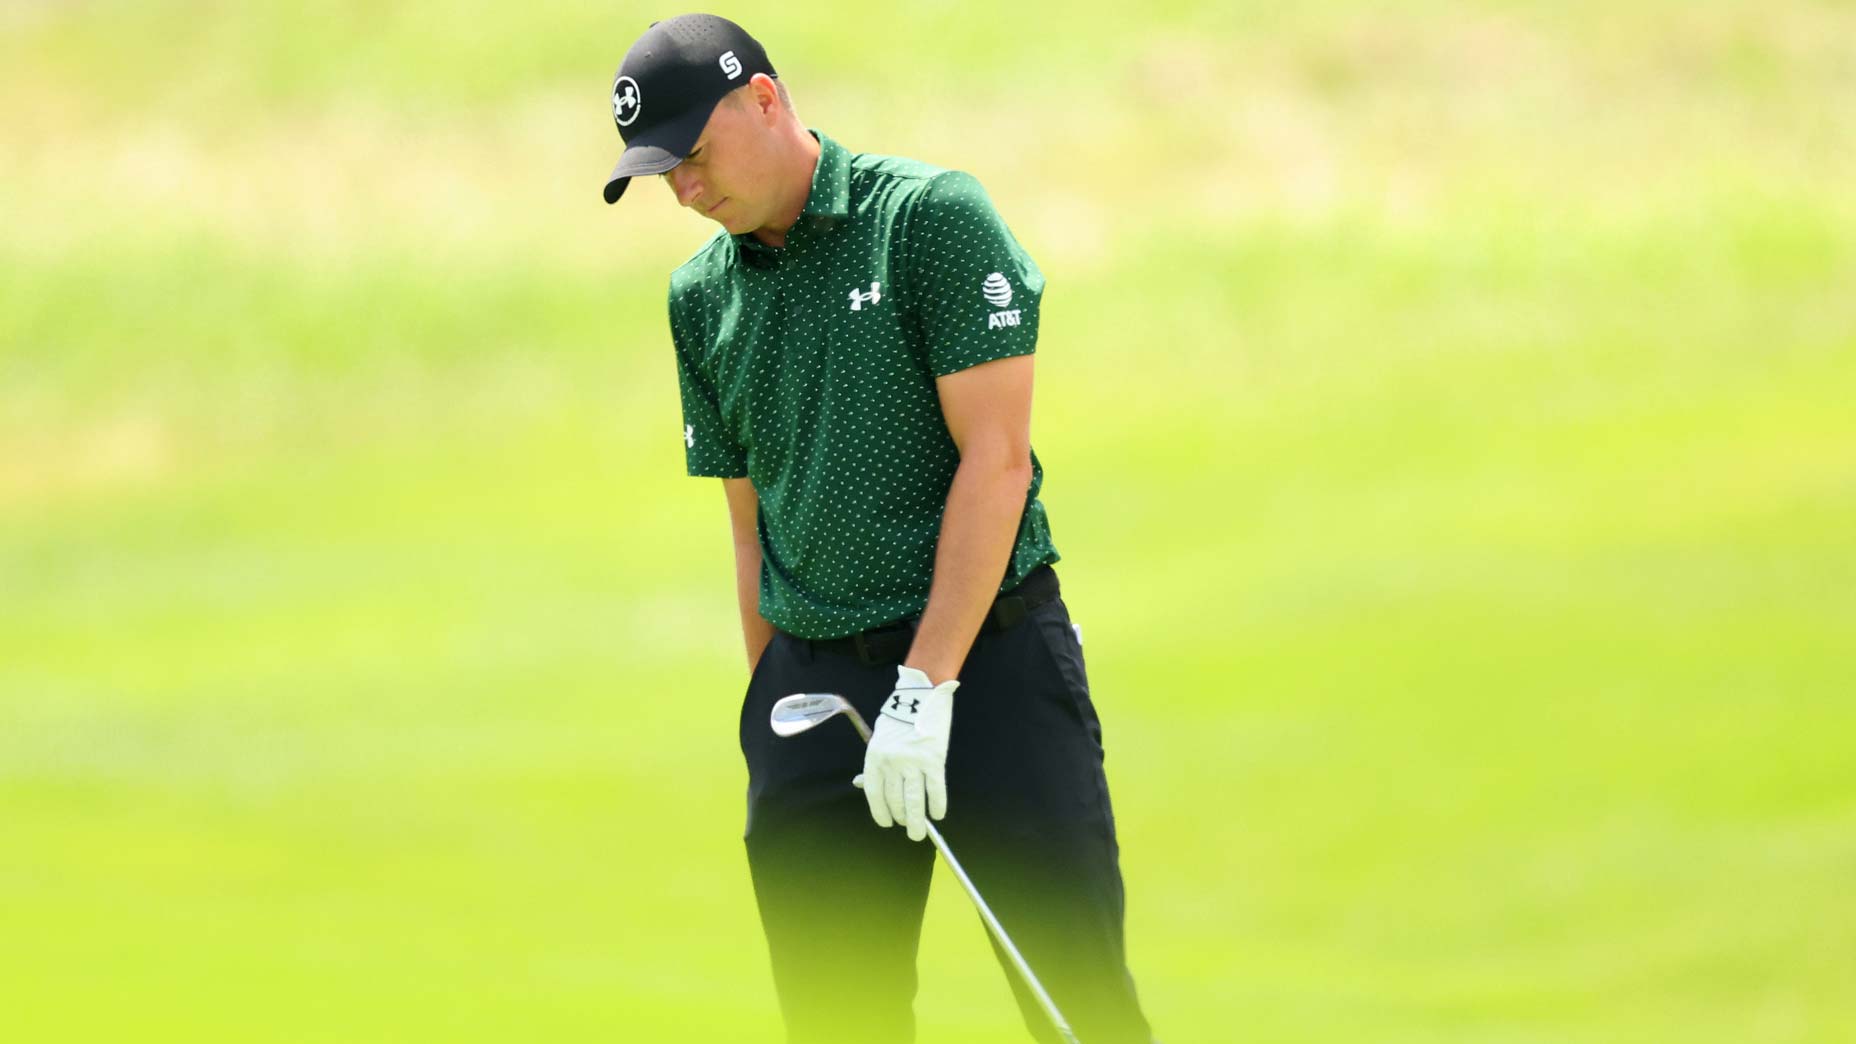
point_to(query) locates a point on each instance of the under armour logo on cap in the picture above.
(625, 101)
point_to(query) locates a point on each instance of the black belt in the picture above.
(890, 642)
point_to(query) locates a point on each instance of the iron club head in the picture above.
(801, 711)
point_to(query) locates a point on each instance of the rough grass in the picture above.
(1447, 422)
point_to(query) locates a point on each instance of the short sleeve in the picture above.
(709, 448)
(975, 289)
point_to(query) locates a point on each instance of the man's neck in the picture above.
(804, 168)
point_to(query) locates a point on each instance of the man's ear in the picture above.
(765, 97)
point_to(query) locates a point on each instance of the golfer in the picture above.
(854, 351)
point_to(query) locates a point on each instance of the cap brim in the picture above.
(657, 150)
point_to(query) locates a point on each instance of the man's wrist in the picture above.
(915, 695)
(923, 673)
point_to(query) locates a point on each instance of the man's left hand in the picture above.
(905, 765)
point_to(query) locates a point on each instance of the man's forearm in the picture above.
(984, 507)
(756, 632)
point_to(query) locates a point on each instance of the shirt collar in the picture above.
(830, 198)
(831, 180)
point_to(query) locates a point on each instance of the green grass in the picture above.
(1446, 415)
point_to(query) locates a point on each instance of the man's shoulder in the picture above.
(876, 167)
(898, 184)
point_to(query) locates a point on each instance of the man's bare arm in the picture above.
(988, 413)
(744, 520)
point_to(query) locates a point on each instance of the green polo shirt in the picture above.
(810, 369)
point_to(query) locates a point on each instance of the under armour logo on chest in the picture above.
(859, 299)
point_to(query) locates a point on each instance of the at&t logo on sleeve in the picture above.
(998, 293)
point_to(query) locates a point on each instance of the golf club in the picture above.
(801, 711)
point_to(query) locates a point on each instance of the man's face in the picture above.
(725, 177)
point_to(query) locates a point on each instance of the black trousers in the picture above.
(1028, 815)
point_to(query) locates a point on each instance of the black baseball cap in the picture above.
(669, 83)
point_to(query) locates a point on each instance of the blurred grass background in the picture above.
(1450, 418)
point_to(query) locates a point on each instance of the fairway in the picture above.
(1448, 415)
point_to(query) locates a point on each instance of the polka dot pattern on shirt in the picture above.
(810, 369)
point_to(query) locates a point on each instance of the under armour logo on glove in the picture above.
(902, 707)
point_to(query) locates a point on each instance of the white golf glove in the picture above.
(905, 765)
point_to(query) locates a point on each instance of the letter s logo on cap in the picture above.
(730, 64)
(625, 100)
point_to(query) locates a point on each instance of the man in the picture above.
(854, 354)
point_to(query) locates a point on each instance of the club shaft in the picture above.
(986, 914)
(1005, 941)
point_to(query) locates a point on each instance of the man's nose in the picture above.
(684, 185)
